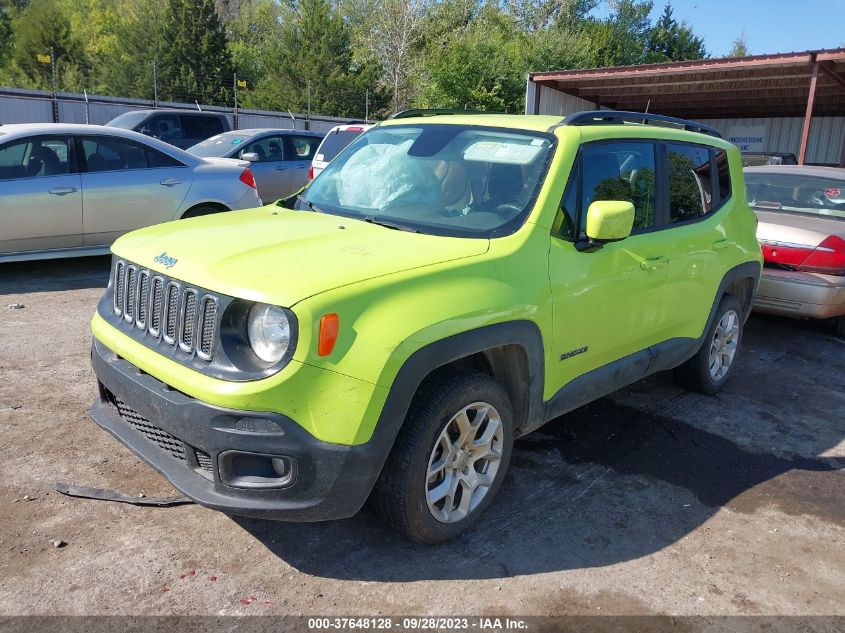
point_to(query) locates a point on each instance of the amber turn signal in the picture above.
(329, 326)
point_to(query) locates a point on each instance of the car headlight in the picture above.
(269, 331)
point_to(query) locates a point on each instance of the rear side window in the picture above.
(113, 154)
(156, 158)
(690, 182)
(201, 126)
(723, 174)
(301, 147)
(335, 142)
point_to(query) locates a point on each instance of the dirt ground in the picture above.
(651, 501)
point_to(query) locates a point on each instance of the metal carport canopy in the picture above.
(807, 84)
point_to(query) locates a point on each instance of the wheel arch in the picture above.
(510, 352)
(191, 212)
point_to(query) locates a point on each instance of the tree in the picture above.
(622, 38)
(482, 65)
(388, 37)
(5, 35)
(40, 27)
(740, 47)
(195, 63)
(311, 60)
(673, 41)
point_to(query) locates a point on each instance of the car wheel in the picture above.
(449, 459)
(710, 368)
(196, 212)
(839, 326)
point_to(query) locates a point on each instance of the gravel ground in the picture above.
(651, 501)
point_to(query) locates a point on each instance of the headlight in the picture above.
(269, 332)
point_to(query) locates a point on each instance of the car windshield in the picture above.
(128, 120)
(796, 193)
(336, 141)
(455, 180)
(219, 145)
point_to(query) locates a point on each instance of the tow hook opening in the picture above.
(254, 470)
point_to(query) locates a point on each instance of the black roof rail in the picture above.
(406, 114)
(610, 117)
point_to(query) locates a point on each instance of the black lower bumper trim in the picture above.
(332, 481)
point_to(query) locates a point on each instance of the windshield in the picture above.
(219, 145)
(128, 120)
(795, 193)
(335, 142)
(441, 179)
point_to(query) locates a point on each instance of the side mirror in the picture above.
(609, 221)
(250, 156)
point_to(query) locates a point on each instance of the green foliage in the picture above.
(195, 62)
(41, 27)
(404, 53)
(671, 41)
(740, 47)
(311, 60)
(481, 64)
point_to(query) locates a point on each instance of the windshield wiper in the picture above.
(390, 225)
(309, 204)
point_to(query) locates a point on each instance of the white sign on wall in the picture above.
(749, 138)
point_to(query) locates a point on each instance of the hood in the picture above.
(795, 228)
(281, 257)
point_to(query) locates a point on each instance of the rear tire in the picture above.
(449, 459)
(713, 364)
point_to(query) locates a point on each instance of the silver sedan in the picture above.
(280, 158)
(68, 190)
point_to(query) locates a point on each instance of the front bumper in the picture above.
(184, 438)
(800, 294)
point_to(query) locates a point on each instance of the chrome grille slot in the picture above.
(171, 312)
(130, 298)
(156, 297)
(189, 320)
(143, 301)
(119, 276)
(207, 327)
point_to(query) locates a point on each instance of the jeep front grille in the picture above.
(165, 311)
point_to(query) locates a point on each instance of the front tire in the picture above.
(710, 368)
(449, 459)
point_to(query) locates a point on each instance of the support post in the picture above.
(235, 110)
(155, 87)
(808, 116)
(55, 85)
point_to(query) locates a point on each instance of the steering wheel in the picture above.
(508, 208)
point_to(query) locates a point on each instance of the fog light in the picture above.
(254, 470)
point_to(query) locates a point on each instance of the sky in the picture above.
(771, 26)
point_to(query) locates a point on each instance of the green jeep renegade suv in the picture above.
(448, 283)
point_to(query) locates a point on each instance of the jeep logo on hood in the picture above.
(165, 260)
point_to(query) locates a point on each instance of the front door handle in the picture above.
(720, 244)
(653, 263)
(63, 191)
(170, 182)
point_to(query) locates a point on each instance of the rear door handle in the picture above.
(170, 182)
(63, 191)
(653, 263)
(720, 244)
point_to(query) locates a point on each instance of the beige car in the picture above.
(801, 213)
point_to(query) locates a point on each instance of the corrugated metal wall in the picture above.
(32, 106)
(827, 134)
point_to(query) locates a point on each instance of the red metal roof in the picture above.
(756, 86)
